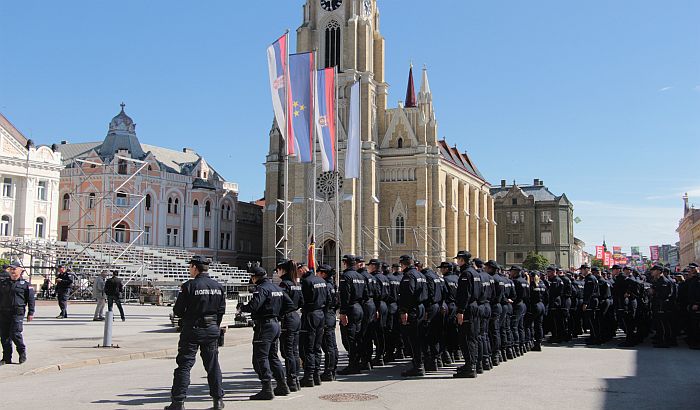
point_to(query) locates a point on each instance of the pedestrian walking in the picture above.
(113, 289)
(98, 292)
(16, 300)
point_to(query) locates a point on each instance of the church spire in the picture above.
(410, 90)
(425, 94)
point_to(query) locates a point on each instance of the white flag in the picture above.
(352, 158)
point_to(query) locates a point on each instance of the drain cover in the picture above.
(347, 397)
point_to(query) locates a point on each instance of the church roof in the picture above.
(410, 91)
(7, 125)
(539, 192)
(458, 159)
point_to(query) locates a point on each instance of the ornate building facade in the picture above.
(416, 195)
(30, 178)
(689, 234)
(182, 201)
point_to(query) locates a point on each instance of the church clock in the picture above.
(331, 5)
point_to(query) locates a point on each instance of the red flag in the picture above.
(608, 259)
(654, 252)
(599, 252)
(311, 256)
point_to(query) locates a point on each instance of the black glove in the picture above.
(239, 305)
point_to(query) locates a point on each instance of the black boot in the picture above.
(458, 356)
(307, 381)
(486, 364)
(377, 362)
(447, 359)
(496, 358)
(399, 355)
(218, 404)
(430, 365)
(479, 368)
(350, 369)
(22, 357)
(317, 379)
(509, 353)
(292, 385)
(264, 394)
(467, 372)
(282, 389)
(176, 405)
(537, 347)
(296, 382)
(413, 372)
(328, 376)
(439, 362)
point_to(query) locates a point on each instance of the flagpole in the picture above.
(286, 153)
(337, 175)
(359, 179)
(313, 150)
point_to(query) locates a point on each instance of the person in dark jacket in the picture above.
(662, 300)
(468, 293)
(413, 294)
(351, 292)
(590, 303)
(16, 300)
(450, 344)
(313, 320)
(267, 305)
(201, 305)
(329, 344)
(63, 286)
(291, 322)
(113, 289)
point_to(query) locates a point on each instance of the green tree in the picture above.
(535, 261)
(598, 263)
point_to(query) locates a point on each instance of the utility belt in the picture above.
(265, 320)
(205, 321)
(18, 311)
(310, 308)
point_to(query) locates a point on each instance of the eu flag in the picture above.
(301, 72)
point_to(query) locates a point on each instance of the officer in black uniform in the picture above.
(352, 293)
(328, 343)
(369, 315)
(497, 285)
(521, 288)
(291, 322)
(62, 289)
(693, 306)
(661, 303)
(556, 306)
(507, 352)
(381, 297)
(16, 300)
(590, 303)
(393, 331)
(450, 341)
(632, 290)
(567, 292)
(469, 291)
(434, 318)
(313, 320)
(576, 303)
(268, 303)
(201, 305)
(538, 300)
(606, 313)
(413, 294)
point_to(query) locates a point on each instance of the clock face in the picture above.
(331, 5)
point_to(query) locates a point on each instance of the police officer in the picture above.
(632, 290)
(16, 300)
(313, 320)
(661, 302)
(291, 322)
(538, 299)
(590, 303)
(556, 297)
(381, 296)
(606, 313)
(576, 303)
(494, 324)
(369, 316)
(328, 342)
(517, 325)
(63, 285)
(352, 293)
(507, 351)
(394, 343)
(413, 294)
(201, 305)
(268, 303)
(487, 282)
(450, 342)
(433, 318)
(693, 306)
(469, 291)
(567, 292)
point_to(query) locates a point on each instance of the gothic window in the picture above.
(175, 205)
(223, 212)
(399, 230)
(170, 205)
(207, 211)
(228, 212)
(333, 49)
(66, 202)
(195, 208)
(91, 200)
(148, 202)
(399, 143)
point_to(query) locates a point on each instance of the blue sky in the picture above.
(599, 99)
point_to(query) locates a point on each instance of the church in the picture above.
(416, 195)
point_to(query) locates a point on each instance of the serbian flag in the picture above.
(301, 72)
(311, 256)
(325, 117)
(277, 59)
(599, 252)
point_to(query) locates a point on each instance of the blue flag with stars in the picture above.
(301, 72)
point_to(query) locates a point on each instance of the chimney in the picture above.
(536, 182)
(503, 183)
(541, 183)
(64, 142)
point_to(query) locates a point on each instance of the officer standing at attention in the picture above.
(567, 291)
(369, 316)
(494, 326)
(268, 303)
(538, 299)
(393, 331)
(558, 312)
(484, 362)
(291, 322)
(413, 294)
(519, 309)
(16, 300)
(63, 284)
(201, 304)
(450, 343)
(351, 292)
(434, 318)
(313, 320)
(329, 344)
(606, 313)
(661, 304)
(590, 304)
(381, 296)
(468, 293)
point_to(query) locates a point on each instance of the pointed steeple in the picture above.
(425, 94)
(410, 91)
(685, 204)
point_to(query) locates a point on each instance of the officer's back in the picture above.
(200, 297)
(315, 292)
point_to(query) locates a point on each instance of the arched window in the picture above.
(195, 208)
(170, 205)
(148, 202)
(122, 167)
(228, 212)
(66, 202)
(177, 202)
(39, 228)
(5, 225)
(333, 49)
(120, 233)
(207, 209)
(399, 143)
(399, 230)
(223, 212)
(91, 200)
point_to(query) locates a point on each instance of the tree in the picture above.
(598, 263)
(535, 261)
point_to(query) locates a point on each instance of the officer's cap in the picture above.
(657, 267)
(667, 270)
(406, 259)
(478, 262)
(616, 266)
(585, 266)
(359, 259)
(258, 271)
(417, 263)
(515, 268)
(395, 265)
(551, 268)
(445, 265)
(375, 262)
(626, 268)
(15, 265)
(385, 265)
(282, 263)
(349, 259)
(595, 269)
(325, 268)
(198, 260)
(693, 265)
(300, 265)
(464, 255)
(492, 263)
